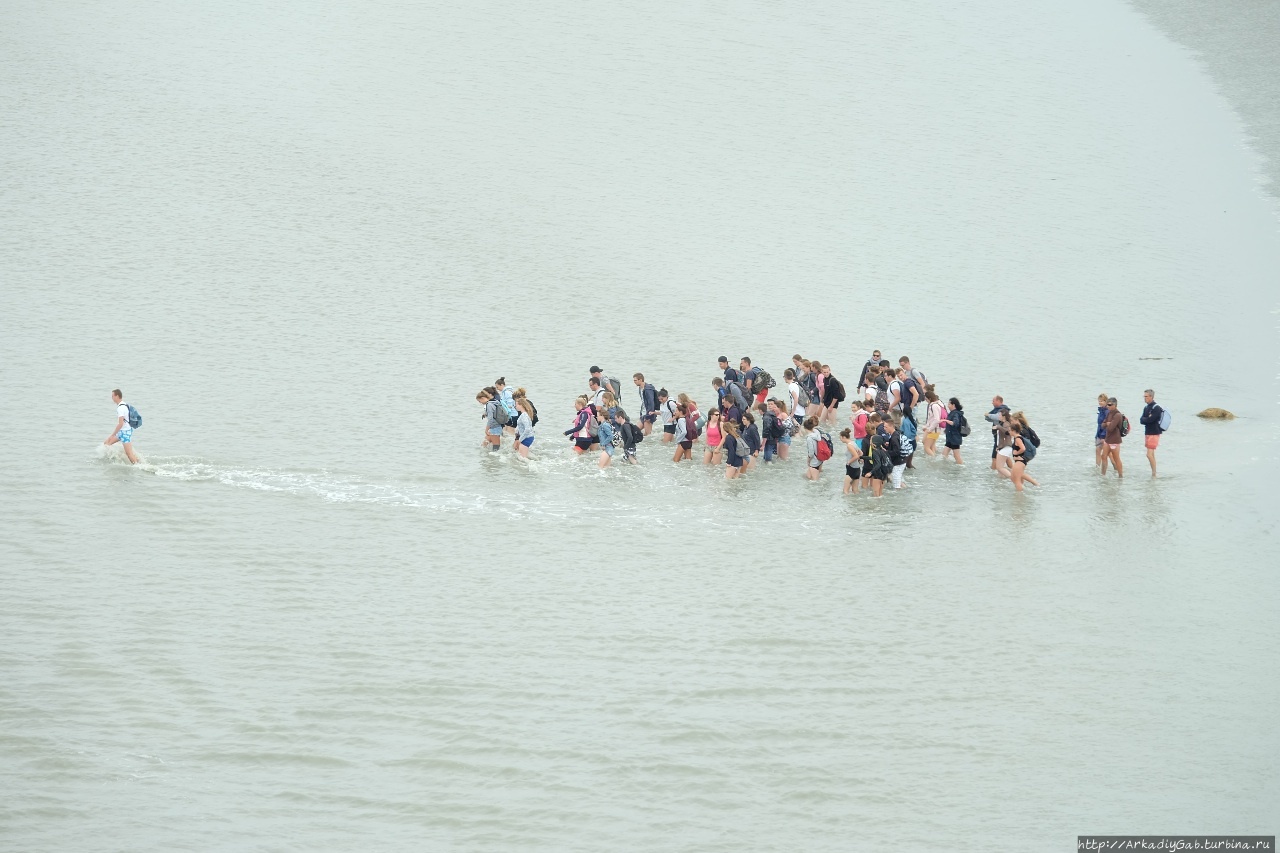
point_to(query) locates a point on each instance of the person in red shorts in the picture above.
(1150, 420)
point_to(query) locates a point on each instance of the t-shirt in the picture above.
(666, 411)
(794, 389)
(597, 399)
(895, 385)
(122, 411)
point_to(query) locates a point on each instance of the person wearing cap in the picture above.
(1113, 425)
(730, 375)
(607, 383)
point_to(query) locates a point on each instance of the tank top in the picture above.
(713, 436)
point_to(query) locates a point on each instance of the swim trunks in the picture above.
(125, 435)
(1153, 441)
(528, 442)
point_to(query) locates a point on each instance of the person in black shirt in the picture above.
(1150, 421)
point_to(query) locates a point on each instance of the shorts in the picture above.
(951, 446)
(786, 439)
(528, 442)
(584, 443)
(125, 435)
(853, 472)
(933, 436)
(1114, 446)
(1153, 441)
(762, 396)
(687, 445)
(669, 429)
(607, 448)
(1099, 442)
(648, 419)
(880, 474)
(814, 463)
(628, 453)
(495, 430)
(895, 476)
(1006, 452)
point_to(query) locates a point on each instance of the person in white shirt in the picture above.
(122, 433)
(597, 392)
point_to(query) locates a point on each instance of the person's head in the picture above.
(594, 383)
(930, 396)
(1005, 417)
(874, 420)
(523, 404)
(955, 405)
(730, 427)
(723, 361)
(775, 408)
(888, 425)
(928, 389)
(519, 392)
(1112, 402)
(884, 364)
(807, 364)
(662, 394)
(683, 399)
(1019, 418)
(873, 371)
(601, 414)
(797, 358)
(846, 433)
(902, 374)
(619, 416)
(875, 356)
(1149, 395)
(638, 379)
(491, 391)
(905, 362)
(595, 371)
(745, 364)
(748, 418)
(1015, 427)
(682, 410)
(1102, 400)
(118, 396)
(826, 370)
(714, 416)
(608, 399)
(761, 407)
(580, 403)
(810, 424)
(483, 397)
(997, 401)
(717, 383)
(789, 375)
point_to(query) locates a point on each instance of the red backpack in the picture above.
(825, 447)
(691, 431)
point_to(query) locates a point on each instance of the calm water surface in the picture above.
(301, 236)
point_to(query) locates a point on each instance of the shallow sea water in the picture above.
(301, 237)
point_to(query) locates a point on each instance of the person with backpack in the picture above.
(897, 450)
(524, 427)
(755, 380)
(833, 395)
(911, 393)
(914, 374)
(631, 436)
(797, 397)
(1100, 435)
(736, 453)
(608, 383)
(876, 464)
(883, 400)
(666, 416)
(818, 448)
(507, 399)
(956, 428)
(648, 403)
(808, 379)
(1024, 450)
(596, 393)
(128, 419)
(730, 375)
(1117, 427)
(732, 401)
(1154, 422)
(686, 432)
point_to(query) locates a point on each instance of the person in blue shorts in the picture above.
(122, 433)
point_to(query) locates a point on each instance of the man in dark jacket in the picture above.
(1150, 420)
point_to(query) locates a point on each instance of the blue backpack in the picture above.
(1165, 419)
(135, 419)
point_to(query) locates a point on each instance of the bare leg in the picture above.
(1151, 457)
(605, 459)
(1114, 454)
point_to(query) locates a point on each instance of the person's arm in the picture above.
(119, 426)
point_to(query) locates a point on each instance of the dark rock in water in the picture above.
(1217, 415)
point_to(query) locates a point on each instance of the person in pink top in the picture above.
(714, 436)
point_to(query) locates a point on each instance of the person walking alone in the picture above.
(1152, 415)
(122, 432)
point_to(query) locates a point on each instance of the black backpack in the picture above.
(837, 392)
(533, 418)
(1031, 436)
